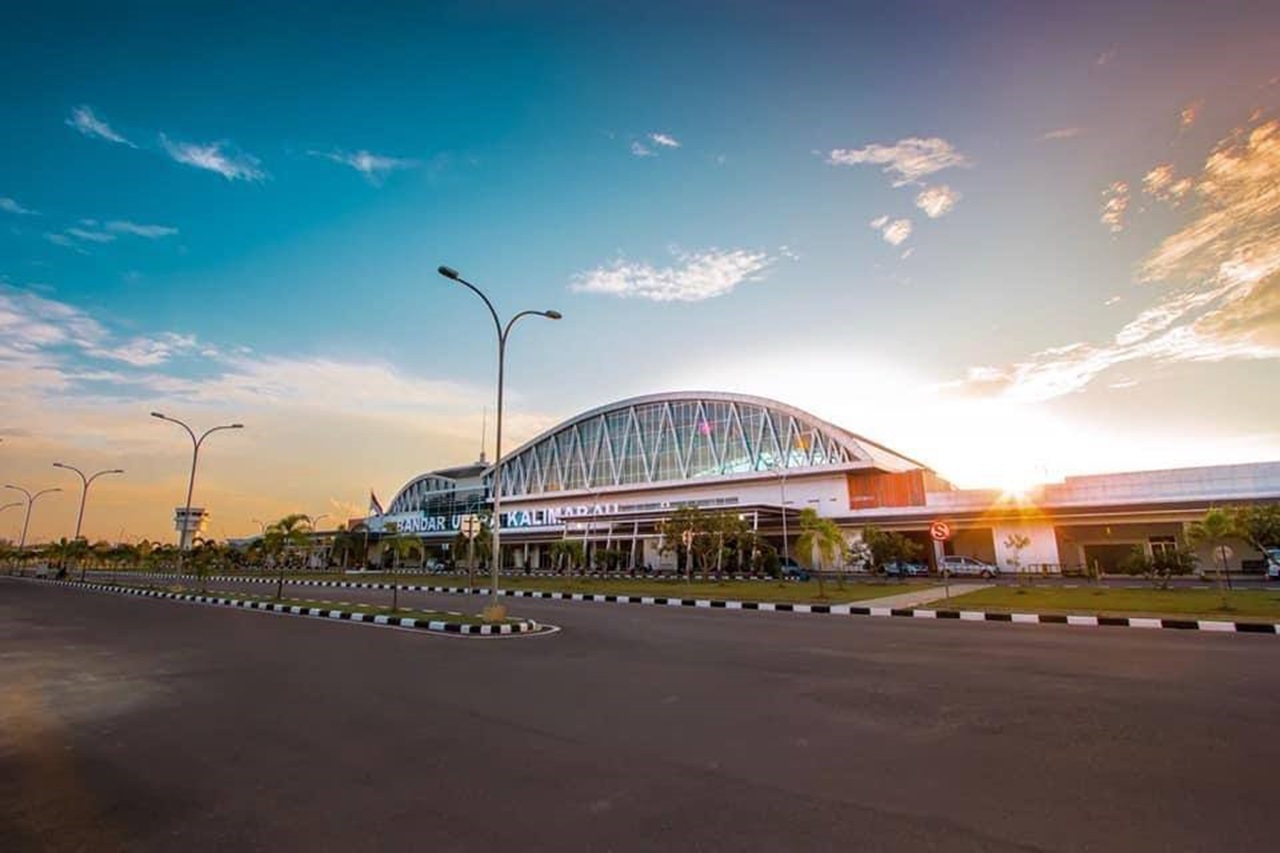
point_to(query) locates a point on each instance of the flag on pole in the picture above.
(375, 506)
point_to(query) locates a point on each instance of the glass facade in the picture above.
(672, 440)
(436, 495)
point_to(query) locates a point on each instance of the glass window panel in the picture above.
(702, 457)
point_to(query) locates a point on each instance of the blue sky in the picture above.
(237, 214)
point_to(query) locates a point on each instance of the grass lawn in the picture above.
(805, 592)
(1205, 603)
(802, 592)
(349, 606)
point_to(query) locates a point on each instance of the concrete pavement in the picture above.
(145, 725)
(921, 596)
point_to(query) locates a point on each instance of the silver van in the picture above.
(968, 567)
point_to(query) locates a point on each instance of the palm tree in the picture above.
(567, 552)
(289, 533)
(101, 551)
(402, 547)
(1214, 530)
(351, 541)
(478, 549)
(7, 552)
(820, 538)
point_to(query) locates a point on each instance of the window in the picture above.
(1161, 545)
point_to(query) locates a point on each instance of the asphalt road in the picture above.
(136, 724)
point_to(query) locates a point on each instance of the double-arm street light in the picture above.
(184, 541)
(30, 500)
(503, 332)
(86, 482)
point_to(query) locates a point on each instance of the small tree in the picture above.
(1017, 542)
(889, 546)
(1214, 530)
(1161, 567)
(567, 554)
(822, 539)
(289, 533)
(1259, 525)
(402, 547)
(686, 519)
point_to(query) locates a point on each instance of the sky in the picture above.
(1015, 241)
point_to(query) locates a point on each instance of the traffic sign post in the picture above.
(940, 532)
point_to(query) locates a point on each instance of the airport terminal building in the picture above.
(610, 477)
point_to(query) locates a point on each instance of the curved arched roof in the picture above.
(684, 436)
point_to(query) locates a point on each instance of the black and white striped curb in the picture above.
(441, 626)
(829, 609)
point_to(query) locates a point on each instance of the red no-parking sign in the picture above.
(940, 531)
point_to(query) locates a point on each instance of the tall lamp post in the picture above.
(315, 529)
(184, 542)
(503, 332)
(780, 468)
(31, 499)
(86, 482)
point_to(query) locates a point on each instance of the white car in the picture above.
(968, 567)
(1273, 564)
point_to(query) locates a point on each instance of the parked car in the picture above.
(957, 566)
(905, 570)
(791, 570)
(1273, 564)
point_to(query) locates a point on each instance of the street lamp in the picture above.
(30, 500)
(86, 482)
(184, 541)
(503, 332)
(314, 520)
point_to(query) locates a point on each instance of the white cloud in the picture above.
(1159, 183)
(8, 205)
(234, 166)
(897, 231)
(31, 323)
(1062, 133)
(697, 276)
(90, 236)
(893, 233)
(937, 201)
(908, 160)
(64, 241)
(1115, 201)
(375, 167)
(151, 232)
(1189, 114)
(639, 149)
(1226, 260)
(1106, 56)
(664, 140)
(83, 120)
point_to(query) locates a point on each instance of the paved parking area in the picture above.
(134, 724)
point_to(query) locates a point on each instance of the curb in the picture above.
(438, 626)
(1082, 620)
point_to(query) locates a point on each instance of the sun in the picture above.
(1017, 484)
